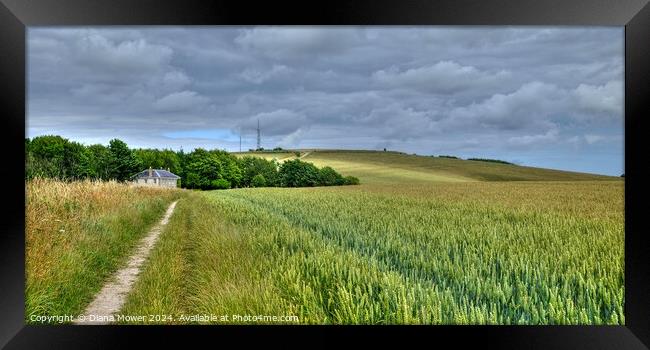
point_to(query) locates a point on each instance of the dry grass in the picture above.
(77, 234)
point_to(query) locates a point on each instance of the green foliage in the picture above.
(45, 157)
(329, 177)
(56, 157)
(490, 160)
(99, 157)
(159, 159)
(230, 169)
(122, 162)
(202, 169)
(220, 184)
(252, 166)
(296, 173)
(297, 153)
(450, 157)
(258, 181)
(77, 161)
(351, 180)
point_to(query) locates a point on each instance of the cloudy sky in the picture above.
(539, 96)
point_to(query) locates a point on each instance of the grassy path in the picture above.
(77, 235)
(112, 296)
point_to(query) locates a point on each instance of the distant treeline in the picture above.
(57, 157)
(490, 160)
(264, 150)
(478, 159)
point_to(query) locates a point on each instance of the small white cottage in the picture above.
(156, 177)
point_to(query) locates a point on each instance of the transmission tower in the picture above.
(259, 138)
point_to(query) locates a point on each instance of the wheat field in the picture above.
(395, 250)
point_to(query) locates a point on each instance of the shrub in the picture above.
(351, 180)
(329, 177)
(451, 157)
(296, 173)
(297, 153)
(258, 181)
(220, 184)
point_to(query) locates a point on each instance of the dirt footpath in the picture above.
(113, 295)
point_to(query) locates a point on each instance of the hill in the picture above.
(394, 167)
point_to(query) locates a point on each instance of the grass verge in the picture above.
(77, 234)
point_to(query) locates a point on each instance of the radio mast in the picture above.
(259, 138)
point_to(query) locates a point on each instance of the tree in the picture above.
(329, 177)
(46, 157)
(57, 157)
(230, 169)
(251, 166)
(159, 159)
(258, 181)
(122, 162)
(296, 173)
(99, 156)
(202, 169)
(77, 163)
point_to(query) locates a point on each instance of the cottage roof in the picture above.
(158, 173)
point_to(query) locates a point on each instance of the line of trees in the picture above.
(56, 157)
(478, 159)
(490, 160)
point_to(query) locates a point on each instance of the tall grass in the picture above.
(205, 265)
(471, 253)
(77, 234)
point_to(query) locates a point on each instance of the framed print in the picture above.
(466, 172)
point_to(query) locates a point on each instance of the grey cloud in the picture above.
(530, 106)
(179, 101)
(531, 140)
(605, 98)
(297, 42)
(445, 77)
(278, 122)
(485, 90)
(256, 76)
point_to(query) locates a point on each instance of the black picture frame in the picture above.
(16, 15)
